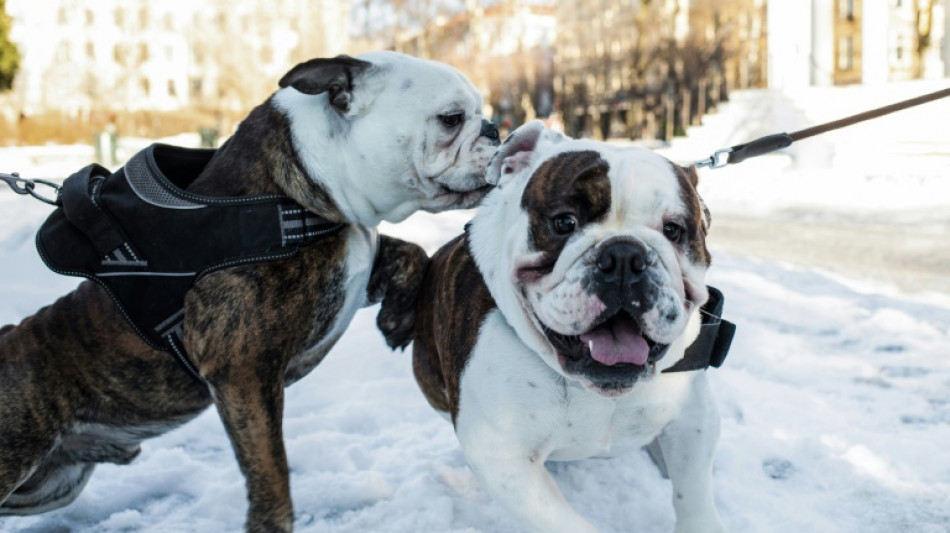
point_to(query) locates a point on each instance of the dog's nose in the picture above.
(623, 262)
(490, 130)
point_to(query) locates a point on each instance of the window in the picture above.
(846, 53)
(846, 9)
(196, 87)
(171, 89)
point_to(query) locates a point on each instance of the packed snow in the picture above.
(835, 398)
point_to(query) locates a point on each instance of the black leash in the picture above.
(25, 186)
(771, 143)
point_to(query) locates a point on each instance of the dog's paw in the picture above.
(396, 326)
(396, 281)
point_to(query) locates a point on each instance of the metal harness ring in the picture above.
(25, 186)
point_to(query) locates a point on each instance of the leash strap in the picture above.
(715, 337)
(771, 143)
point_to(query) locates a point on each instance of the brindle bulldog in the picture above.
(353, 140)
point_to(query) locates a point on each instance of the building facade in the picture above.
(164, 55)
(840, 42)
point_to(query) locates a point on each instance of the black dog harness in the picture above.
(145, 239)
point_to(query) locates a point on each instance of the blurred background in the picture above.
(633, 69)
(82, 81)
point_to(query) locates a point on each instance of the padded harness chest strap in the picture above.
(146, 240)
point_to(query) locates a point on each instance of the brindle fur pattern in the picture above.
(452, 306)
(79, 387)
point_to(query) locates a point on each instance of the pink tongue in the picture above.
(616, 342)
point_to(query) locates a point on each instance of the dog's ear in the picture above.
(517, 152)
(692, 176)
(322, 75)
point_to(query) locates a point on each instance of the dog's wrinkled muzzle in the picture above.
(619, 278)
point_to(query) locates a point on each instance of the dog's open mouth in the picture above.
(612, 355)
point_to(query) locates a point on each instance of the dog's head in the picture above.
(595, 254)
(388, 134)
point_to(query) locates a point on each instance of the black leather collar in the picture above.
(715, 337)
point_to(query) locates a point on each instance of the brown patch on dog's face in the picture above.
(698, 219)
(564, 194)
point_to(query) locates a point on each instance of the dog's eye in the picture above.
(451, 121)
(673, 232)
(564, 223)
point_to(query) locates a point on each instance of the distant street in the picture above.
(909, 250)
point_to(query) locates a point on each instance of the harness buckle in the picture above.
(719, 159)
(28, 187)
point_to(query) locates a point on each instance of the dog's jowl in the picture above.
(354, 141)
(544, 331)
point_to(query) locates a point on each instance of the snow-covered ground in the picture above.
(835, 398)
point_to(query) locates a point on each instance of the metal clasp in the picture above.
(25, 186)
(719, 159)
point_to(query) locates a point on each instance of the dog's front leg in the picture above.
(687, 445)
(517, 478)
(251, 405)
(397, 277)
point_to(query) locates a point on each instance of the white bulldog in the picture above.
(545, 329)
(388, 134)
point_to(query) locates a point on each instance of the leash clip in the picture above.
(719, 159)
(28, 187)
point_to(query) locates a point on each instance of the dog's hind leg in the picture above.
(29, 430)
(53, 485)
